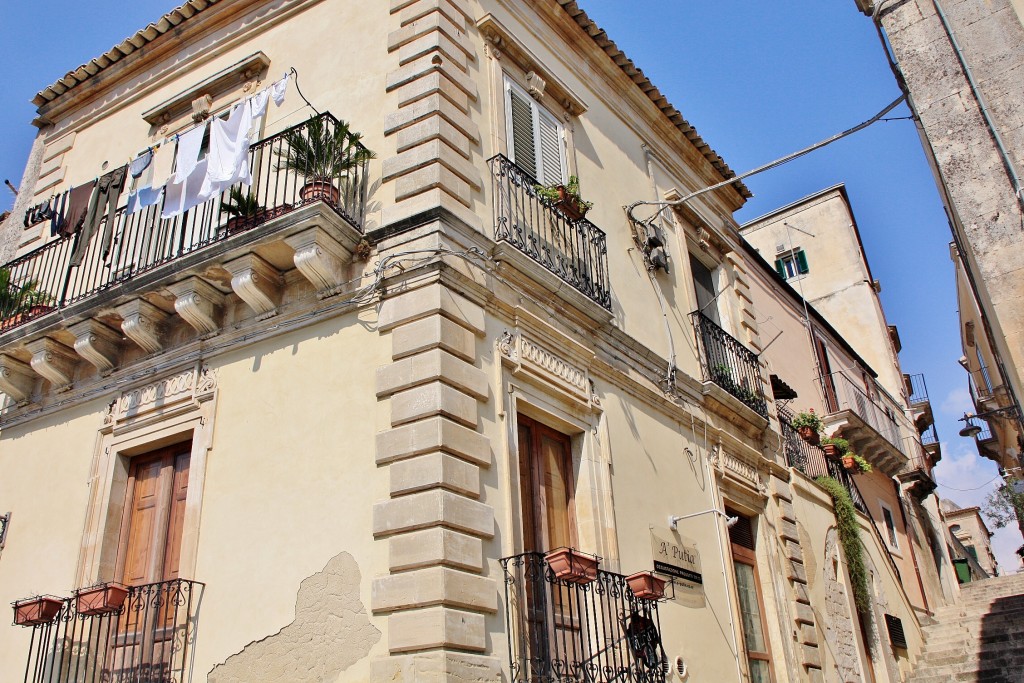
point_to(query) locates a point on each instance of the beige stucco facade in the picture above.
(968, 527)
(352, 384)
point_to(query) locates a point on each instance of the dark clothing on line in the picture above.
(75, 208)
(103, 202)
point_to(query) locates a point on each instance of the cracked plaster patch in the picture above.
(330, 633)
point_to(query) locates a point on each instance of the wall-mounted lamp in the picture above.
(673, 520)
(972, 430)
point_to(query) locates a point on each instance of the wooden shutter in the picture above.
(550, 137)
(742, 532)
(154, 514)
(897, 636)
(704, 286)
(522, 146)
(546, 482)
(801, 261)
(780, 268)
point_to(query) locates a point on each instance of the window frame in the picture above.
(794, 260)
(748, 558)
(537, 113)
(890, 529)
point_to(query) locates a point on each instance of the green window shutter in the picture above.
(780, 268)
(801, 261)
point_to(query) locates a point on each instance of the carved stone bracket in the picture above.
(199, 303)
(320, 258)
(142, 323)
(257, 283)
(97, 343)
(53, 360)
(16, 378)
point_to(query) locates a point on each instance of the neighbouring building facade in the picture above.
(958, 62)
(968, 528)
(373, 414)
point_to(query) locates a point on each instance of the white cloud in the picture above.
(956, 403)
(966, 478)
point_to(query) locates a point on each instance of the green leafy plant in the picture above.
(241, 205)
(1004, 506)
(16, 299)
(842, 445)
(863, 465)
(322, 150)
(848, 528)
(808, 419)
(552, 195)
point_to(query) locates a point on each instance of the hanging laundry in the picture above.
(141, 163)
(144, 197)
(102, 203)
(277, 90)
(57, 215)
(76, 208)
(259, 103)
(189, 146)
(228, 160)
(180, 197)
(163, 162)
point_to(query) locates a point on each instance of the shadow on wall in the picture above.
(330, 633)
(1001, 641)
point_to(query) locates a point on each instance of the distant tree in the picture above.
(1005, 505)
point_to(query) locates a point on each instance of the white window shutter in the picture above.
(551, 157)
(522, 147)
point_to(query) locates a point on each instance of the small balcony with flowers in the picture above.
(151, 278)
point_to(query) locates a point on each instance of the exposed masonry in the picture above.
(804, 618)
(330, 633)
(434, 524)
(435, 136)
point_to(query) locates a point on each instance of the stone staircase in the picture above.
(979, 640)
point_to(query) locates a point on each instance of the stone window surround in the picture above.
(595, 523)
(894, 543)
(116, 444)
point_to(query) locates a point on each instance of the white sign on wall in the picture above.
(677, 557)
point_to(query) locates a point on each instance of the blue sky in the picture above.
(758, 80)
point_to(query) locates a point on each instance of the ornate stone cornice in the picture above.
(187, 387)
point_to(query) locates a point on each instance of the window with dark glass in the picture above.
(751, 605)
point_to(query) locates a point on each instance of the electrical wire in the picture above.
(976, 488)
(760, 169)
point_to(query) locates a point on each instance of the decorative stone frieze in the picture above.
(187, 387)
(16, 378)
(97, 343)
(53, 360)
(530, 356)
(257, 283)
(142, 322)
(199, 303)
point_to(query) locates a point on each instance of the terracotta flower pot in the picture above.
(810, 435)
(568, 205)
(38, 610)
(572, 565)
(850, 464)
(101, 599)
(238, 224)
(646, 586)
(323, 190)
(831, 450)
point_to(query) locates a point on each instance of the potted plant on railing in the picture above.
(21, 302)
(571, 565)
(100, 599)
(855, 463)
(809, 426)
(566, 198)
(246, 211)
(835, 447)
(646, 586)
(324, 153)
(40, 609)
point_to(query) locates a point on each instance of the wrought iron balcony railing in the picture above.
(812, 461)
(917, 389)
(929, 436)
(148, 640)
(575, 250)
(728, 363)
(565, 632)
(306, 163)
(842, 393)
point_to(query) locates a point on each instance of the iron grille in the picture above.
(149, 639)
(729, 364)
(565, 632)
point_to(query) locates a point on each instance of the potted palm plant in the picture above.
(324, 153)
(40, 609)
(245, 211)
(19, 302)
(100, 599)
(566, 198)
(809, 426)
(571, 565)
